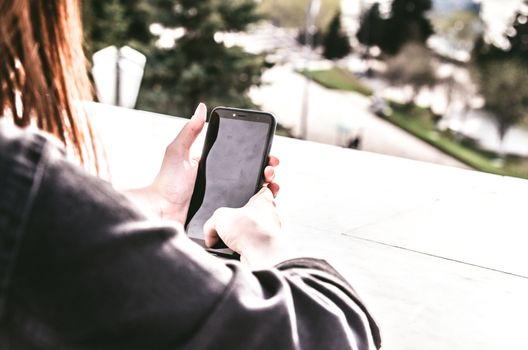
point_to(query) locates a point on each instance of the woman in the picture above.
(82, 268)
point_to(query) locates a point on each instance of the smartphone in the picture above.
(231, 168)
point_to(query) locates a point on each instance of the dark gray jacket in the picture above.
(82, 268)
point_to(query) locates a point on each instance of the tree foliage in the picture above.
(502, 74)
(335, 43)
(197, 67)
(116, 22)
(371, 27)
(503, 84)
(317, 37)
(517, 36)
(412, 67)
(406, 23)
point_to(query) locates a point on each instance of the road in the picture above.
(335, 116)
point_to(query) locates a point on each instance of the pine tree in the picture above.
(335, 43)
(104, 24)
(198, 67)
(411, 9)
(371, 27)
(116, 22)
(407, 23)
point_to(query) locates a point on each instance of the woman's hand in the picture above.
(253, 231)
(173, 186)
(170, 194)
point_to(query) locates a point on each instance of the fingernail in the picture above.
(198, 110)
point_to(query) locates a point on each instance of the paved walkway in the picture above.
(331, 112)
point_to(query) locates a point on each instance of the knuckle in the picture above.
(173, 149)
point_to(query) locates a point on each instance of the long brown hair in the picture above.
(43, 76)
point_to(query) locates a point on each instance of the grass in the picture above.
(337, 79)
(420, 122)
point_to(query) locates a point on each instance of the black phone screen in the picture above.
(230, 171)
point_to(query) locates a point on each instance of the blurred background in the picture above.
(442, 81)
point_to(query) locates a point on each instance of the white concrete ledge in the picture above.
(438, 253)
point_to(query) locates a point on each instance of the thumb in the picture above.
(183, 142)
(221, 221)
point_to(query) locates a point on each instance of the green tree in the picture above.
(116, 22)
(484, 52)
(413, 67)
(503, 85)
(335, 43)
(316, 40)
(371, 27)
(198, 67)
(406, 23)
(501, 74)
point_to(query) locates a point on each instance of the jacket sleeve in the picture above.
(92, 272)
